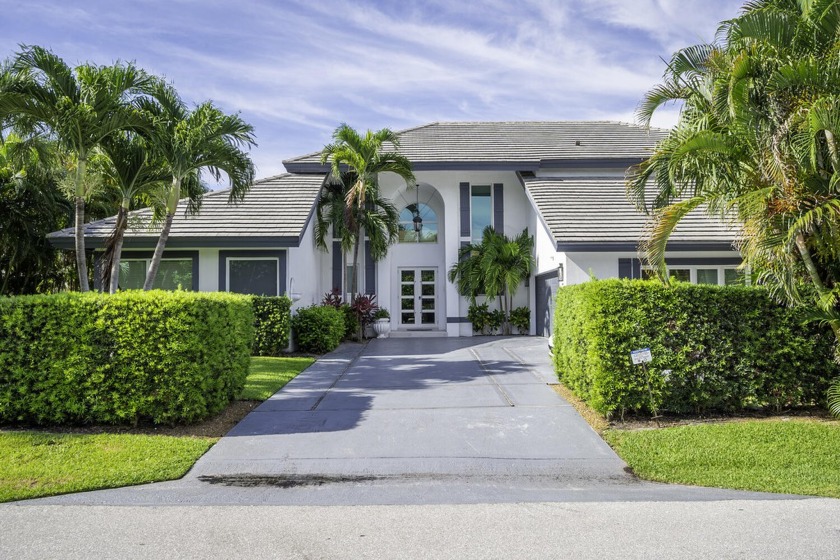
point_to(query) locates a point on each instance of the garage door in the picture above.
(546, 286)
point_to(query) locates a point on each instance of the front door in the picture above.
(418, 298)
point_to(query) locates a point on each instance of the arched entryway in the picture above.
(417, 264)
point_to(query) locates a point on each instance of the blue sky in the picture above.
(296, 69)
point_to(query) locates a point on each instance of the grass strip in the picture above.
(778, 455)
(595, 419)
(34, 464)
(267, 375)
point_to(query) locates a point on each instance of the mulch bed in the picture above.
(215, 427)
(599, 423)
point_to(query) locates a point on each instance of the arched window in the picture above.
(418, 224)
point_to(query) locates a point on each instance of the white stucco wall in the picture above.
(518, 215)
(303, 270)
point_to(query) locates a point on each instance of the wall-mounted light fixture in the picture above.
(561, 276)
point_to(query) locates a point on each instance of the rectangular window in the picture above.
(711, 275)
(255, 276)
(679, 274)
(173, 274)
(481, 210)
(707, 276)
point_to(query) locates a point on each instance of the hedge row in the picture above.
(272, 323)
(713, 348)
(155, 356)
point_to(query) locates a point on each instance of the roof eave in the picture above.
(193, 242)
(624, 246)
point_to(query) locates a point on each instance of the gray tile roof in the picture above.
(594, 213)
(273, 213)
(519, 146)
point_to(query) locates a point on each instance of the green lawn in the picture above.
(785, 456)
(36, 464)
(267, 375)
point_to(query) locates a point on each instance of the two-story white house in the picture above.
(562, 181)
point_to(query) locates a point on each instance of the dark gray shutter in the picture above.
(98, 265)
(370, 271)
(625, 268)
(637, 269)
(466, 226)
(337, 260)
(498, 208)
(630, 268)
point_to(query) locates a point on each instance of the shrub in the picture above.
(479, 316)
(318, 329)
(495, 320)
(364, 306)
(521, 319)
(157, 356)
(715, 348)
(272, 322)
(351, 322)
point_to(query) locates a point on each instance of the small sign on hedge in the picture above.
(641, 356)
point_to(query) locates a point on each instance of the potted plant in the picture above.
(381, 322)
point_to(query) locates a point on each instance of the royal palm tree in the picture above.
(365, 158)
(192, 141)
(132, 173)
(80, 108)
(496, 267)
(756, 144)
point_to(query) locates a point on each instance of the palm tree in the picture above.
(496, 267)
(80, 108)
(189, 142)
(32, 206)
(379, 218)
(132, 173)
(756, 143)
(365, 159)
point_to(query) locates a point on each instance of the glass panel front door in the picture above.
(418, 298)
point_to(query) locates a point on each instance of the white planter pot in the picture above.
(382, 327)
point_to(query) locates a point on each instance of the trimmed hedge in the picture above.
(727, 348)
(318, 329)
(156, 356)
(272, 323)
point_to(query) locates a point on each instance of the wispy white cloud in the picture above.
(297, 68)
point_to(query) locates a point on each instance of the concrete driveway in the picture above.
(435, 406)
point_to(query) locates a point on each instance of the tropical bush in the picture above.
(495, 268)
(163, 357)
(521, 319)
(318, 329)
(479, 315)
(713, 348)
(272, 323)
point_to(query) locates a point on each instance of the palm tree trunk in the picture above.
(815, 277)
(158, 254)
(171, 207)
(81, 257)
(354, 285)
(119, 235)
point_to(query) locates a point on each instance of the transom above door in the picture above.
(418, 298)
